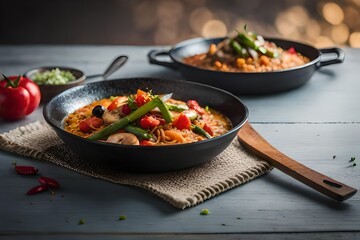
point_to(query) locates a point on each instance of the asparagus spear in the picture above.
(248, 42)
(125, 121)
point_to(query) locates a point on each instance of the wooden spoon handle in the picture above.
(261, 148)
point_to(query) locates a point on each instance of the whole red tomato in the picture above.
(19, 96)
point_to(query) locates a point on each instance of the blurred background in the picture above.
(322, 23)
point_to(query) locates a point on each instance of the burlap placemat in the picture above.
(182, 188)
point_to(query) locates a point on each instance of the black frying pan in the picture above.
(146, 158)
(247, 83)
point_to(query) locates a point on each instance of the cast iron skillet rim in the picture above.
(233, 129)
(190, 42)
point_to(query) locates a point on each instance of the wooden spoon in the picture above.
(261, 148)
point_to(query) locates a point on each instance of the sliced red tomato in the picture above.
(192, 104)
(90, 124)
(291, 50)
(182, 122)
(115, 103)
(141, 98)
(149, 122)
(208, 129)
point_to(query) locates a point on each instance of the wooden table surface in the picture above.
(310, 124)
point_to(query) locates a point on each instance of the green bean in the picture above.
(238, 49)
(164, 110)
(245, 40)
(123, 122)
(139, 132)
(200, 131)
(138, 113)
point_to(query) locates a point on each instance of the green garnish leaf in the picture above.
(81, 221)
(205, 211)
(122, 217)
(352, 159)
(132, 104)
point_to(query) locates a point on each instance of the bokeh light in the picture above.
(214, 28)
(340, 33)
(320, 23)
(355, 40)
(333, 13)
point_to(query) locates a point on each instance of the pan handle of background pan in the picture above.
(336, 55)
(153, 58)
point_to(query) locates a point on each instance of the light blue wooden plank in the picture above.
(273, 203)
(310, 124)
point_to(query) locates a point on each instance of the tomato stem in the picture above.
(13, 84)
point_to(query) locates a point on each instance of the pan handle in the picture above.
(153, 54)
(340, 56)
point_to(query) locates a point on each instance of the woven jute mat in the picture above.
(182, 188)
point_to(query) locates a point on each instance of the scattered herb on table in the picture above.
(81, 221)
(352, 159)
(122, 217)
(354, 164)
(334, 156)
(205, 211)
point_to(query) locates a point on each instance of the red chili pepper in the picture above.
(52, 183)
(26, 170)
(37, 189)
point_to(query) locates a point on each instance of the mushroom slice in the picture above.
(123, 138)
(110, 117)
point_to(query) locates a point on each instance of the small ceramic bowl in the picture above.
(50, 91)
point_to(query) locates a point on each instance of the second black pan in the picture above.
(247, 83)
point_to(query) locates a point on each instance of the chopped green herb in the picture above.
(122, 217)
(81, 221)
(53, 77)
(112, 98)
(207, 109)
(334, 156)
(205, 211)
(352, 159)
(354, 164)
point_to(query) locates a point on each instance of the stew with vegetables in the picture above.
(247, 52)
(146, 119)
